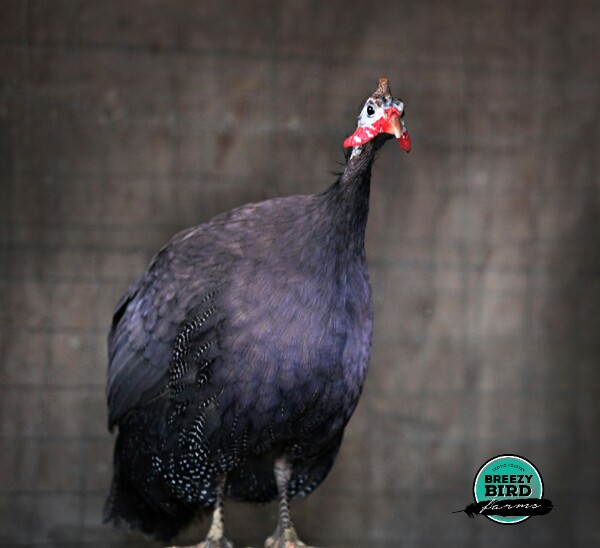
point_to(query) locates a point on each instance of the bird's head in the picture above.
(383, 116)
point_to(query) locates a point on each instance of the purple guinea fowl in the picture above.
(238, 357)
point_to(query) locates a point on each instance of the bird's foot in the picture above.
(221, 543)
(285, 539)
(209, 543)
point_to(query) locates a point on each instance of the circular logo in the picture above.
(505, 483)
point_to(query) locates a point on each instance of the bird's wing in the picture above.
(157, 337)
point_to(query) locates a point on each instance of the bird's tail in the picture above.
(127, 508)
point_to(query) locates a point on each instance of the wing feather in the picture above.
(147, 320)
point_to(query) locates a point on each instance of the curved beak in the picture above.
(395, 126)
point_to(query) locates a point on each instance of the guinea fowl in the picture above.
(238, 357)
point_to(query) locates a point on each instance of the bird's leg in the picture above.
(215, 537)
(285, 535)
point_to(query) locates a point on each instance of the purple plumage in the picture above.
(244, 345)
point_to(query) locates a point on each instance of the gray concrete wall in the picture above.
(122, 122)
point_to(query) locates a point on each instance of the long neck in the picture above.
(349, 198)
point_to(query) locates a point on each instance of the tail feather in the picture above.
(127, 509)
(138, 499)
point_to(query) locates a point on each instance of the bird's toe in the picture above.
(222, 543)
(285, 541)
(280, 543)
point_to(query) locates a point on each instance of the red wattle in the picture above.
(361, 136)
(404, 141)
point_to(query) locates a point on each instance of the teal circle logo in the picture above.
(508, 483)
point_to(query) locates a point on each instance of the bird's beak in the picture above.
(395, 127)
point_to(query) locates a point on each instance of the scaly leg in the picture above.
(285, 535)
(215, 537)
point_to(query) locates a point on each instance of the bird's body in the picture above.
(244, 344)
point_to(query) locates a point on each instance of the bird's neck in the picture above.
(349, 197)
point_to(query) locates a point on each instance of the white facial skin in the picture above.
(374, 108)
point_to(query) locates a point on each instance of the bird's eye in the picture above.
(370, 110)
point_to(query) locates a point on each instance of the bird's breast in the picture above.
(298, 349)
